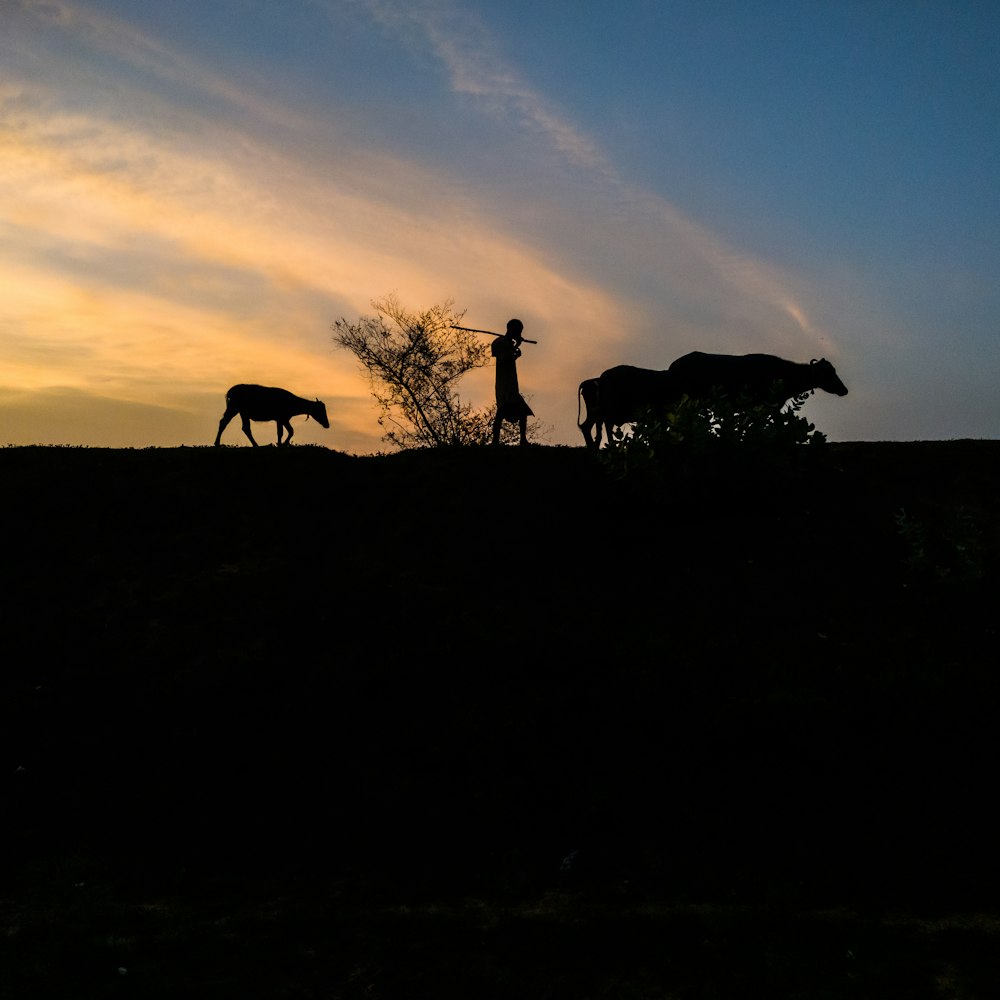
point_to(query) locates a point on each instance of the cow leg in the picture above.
(589, 394)
(593, 432)
(224, 423)
(288, 427)
(246, 430)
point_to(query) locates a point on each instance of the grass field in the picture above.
(491, 723)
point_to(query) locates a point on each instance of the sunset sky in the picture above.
(192, 193)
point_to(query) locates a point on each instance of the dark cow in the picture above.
(623, 392)
(262, 402)
(620, 396)
(763, 378)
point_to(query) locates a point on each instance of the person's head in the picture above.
(514, 330)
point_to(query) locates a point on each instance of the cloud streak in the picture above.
(148, 57)
(475, 68)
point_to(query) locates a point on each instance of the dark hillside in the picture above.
(489, 723)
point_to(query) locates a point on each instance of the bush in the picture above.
(414, 362)
(723, 435)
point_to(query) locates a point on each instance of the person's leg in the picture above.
(497, 421)
(523, 424)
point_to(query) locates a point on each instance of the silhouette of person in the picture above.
(510, 403)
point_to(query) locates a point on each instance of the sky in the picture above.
(192, 194)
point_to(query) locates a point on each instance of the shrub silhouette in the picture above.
(725, 433)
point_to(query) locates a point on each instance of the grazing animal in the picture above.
(262, 402)
(620, 396)
(762, 377)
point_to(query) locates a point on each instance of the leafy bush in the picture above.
(731, 433)
(414, 362)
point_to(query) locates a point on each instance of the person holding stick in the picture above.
(510, 403)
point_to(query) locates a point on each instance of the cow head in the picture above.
(826, 377)
(318, 413)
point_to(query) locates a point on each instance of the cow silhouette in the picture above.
(262, 402)
(761, 378)
(622, 393)
(618, 396)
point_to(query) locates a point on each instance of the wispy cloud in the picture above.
(476, 68)
(464, 46)
(129, 46)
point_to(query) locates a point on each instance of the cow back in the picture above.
(627, 390)
(701, 375)
(265, 402)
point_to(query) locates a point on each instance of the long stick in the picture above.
(490, 333)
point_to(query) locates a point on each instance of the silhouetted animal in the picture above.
(623, 392)
(261, 402)
(763, 378)
(620, 395)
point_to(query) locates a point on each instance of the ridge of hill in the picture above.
(501, 674)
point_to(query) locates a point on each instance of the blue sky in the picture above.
(192, 193)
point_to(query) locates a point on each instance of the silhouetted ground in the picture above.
(488, 723)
